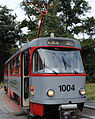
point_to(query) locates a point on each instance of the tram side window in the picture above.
(37, 62)
(11, 67)
(6, 70)
(14, 66)
(17, 65)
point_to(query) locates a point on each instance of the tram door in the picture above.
(25, 78)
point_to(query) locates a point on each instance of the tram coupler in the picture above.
(69, 111)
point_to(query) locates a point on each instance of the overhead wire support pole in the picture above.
(42, 18)
(40, 25)
(43, 13)
(36, 8)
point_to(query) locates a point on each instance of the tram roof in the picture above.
(43, 42)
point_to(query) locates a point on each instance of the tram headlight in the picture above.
(50, 93)
(82, 91)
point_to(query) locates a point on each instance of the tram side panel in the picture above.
(13, 78)
(14, 83)
(5, 77)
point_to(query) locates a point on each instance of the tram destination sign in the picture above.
(61, 42)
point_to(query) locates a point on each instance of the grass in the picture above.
(90, 91)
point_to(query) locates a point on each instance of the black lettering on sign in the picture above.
(67, 88)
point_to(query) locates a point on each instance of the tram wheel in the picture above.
(66, 117)
(74, 115)
(32, 116)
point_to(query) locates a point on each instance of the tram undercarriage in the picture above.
(69, 111)
(65, 111)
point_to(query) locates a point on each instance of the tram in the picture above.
(47, 77)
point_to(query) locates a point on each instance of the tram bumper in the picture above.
(68, 111)
(68, 106)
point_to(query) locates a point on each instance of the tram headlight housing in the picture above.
(82, 91)
(32, 90)
(50, 92)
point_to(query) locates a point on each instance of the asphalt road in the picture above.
(7, 113)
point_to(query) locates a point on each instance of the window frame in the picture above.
(71, 49)
(13, 68)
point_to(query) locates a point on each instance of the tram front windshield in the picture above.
(57, 60)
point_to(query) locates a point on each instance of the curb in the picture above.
(90, 107)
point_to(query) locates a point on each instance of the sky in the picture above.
(92, 4)
(15, 5)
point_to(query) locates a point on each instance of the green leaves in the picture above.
(88, 55)
(63, 17)
(9, 35)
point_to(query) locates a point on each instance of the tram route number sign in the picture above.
(67, 88)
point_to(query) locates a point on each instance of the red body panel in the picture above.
(36, 109)
(48, 75)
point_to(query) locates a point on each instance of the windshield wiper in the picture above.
(45, 66)
(51, 70)
(67, 65)
(75, 71)
(55, 72)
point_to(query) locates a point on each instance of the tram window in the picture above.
(57, 60)
(26, 87)
(11, 67)
(14, 66)
(26, 62)
(37, 62)
(17, 64)
(6, 70)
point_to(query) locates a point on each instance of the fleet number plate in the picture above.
(67, 88)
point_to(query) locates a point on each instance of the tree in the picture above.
(89, 26)
(52, 19)
(63, 18)
(9, 35)
(73, 10)
(88, 55)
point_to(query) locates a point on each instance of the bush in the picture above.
(90, 78)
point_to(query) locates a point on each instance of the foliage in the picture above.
(8, 36)
(89, 26)
(88, 55)
(63, 17)
(90, 91)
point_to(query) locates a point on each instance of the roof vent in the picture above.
(52, 35)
